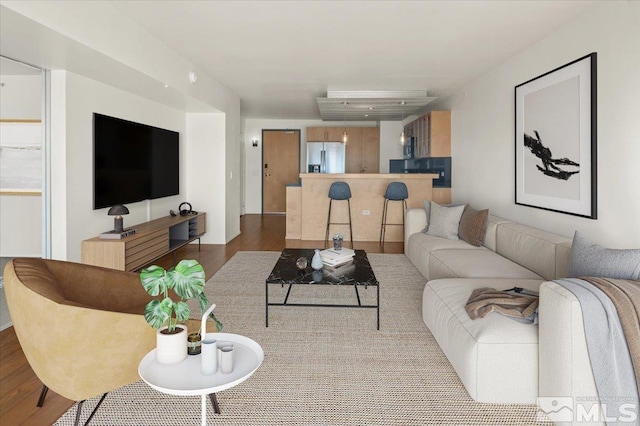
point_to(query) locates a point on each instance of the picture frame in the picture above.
(556, 139)
(21, 156)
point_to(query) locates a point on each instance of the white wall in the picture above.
(21, 97)
(206, 168)
(74, 100)
(58, 169)
(253, 155)
(483, 126)
(232, 172)
(390, 148)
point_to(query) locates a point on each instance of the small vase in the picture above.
(317, 276)
(316, 262)
(337, 244)
(209, 357)
(171, 348)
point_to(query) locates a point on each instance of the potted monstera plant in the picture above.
(187, 281)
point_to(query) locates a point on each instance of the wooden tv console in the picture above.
(151, 241)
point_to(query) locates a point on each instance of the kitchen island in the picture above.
(308, 205)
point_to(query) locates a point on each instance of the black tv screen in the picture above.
(133, 162)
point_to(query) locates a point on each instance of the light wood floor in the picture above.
(19, 386)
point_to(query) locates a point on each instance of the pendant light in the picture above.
(403, 139)
(345, 135)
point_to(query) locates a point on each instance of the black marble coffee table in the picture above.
(357, 273)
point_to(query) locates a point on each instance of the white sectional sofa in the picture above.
(495, 357)
(565, 367)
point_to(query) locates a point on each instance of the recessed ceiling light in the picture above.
(366, 115)
(166, 85)
(370, 108)
(193, 77)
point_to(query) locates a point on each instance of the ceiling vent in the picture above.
(371, 105)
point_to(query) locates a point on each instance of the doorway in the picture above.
(280, 166)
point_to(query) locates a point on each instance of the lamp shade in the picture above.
(118, 210)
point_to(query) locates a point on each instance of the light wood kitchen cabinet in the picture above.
(440, 134)
(433, 134)
(353, 151)
(325, 134)
(421, 131)
(334, 134)
(363, 150)
(370, 150)
(316, 134)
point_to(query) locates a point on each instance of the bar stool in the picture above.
(339, 191)
(396, 191)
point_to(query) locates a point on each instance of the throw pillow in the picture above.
(592, 260)
(472, 227)
(427, 210)
(444, 221)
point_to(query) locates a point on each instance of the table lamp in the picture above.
(118, 210)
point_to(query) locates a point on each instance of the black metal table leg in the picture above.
(214, 402)
(378, 303)
(287, 296)
(266, 304)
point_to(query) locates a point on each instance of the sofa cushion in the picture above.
(564, 364)
(444, 221)
(481, 263)
(419, 247)
(589, 259)
(532, 248)
(473, 226)
(492, 229)
(495, 357)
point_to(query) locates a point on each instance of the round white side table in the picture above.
(185, 378)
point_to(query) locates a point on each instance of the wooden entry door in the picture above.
(280, 166)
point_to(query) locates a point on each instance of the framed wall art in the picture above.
(555, 140)
(20, 156)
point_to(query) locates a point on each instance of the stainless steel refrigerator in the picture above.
(325, 157)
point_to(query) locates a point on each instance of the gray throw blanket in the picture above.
(486, 300)
(611, 315)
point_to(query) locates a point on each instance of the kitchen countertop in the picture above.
(336, 176)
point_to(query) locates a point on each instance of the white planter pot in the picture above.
(171, 348)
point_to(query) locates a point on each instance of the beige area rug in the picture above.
(323, 366)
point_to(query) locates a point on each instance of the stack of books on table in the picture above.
(335, 258)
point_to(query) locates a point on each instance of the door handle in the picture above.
(267, 174)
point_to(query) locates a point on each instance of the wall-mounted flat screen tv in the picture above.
(133, 162)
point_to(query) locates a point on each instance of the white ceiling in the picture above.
(279, 56)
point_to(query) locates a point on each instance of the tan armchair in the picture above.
(81, 327)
